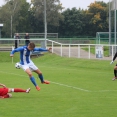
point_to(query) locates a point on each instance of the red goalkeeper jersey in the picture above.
(3, 91)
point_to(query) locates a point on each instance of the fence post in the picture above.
(112, 52)
(89, 52)
(78, 51)
(61, 50)
(52, 46)
(69, 51)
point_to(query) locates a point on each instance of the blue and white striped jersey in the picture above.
(25, 53)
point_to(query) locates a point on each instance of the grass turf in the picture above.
(79, 88)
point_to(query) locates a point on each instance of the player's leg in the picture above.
(16, 90)
(35, 69)
(115, 72)
(40, 75)
(28, 71)
(8, 95)
(32, 78)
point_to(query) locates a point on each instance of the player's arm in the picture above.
(16, 50)
(42, 49)
(114, 58)
(2, 85)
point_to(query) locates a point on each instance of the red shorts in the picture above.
(3, 91)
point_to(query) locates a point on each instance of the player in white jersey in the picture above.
(27, 65)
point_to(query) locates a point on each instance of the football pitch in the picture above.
(78, 88)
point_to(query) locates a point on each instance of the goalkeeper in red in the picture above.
(6, 92)
(27, 65)
(115, 68)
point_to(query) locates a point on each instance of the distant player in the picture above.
(115, 68)
(27, 65)
(6, 92)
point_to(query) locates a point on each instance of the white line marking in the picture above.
(52, 82)
(63, 84)
(104, 91)
(70, 86)
(12, 73)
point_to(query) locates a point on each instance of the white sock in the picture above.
(12, 89)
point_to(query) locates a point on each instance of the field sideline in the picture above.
(78, 88)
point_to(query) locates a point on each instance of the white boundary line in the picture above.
(77, 88)
(71, 86)
(104, 91)
(52, 82)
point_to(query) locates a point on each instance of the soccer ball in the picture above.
(17, 65)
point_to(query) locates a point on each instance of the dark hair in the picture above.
(31, 44)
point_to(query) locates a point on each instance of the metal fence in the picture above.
(81, 50)
(87, 51)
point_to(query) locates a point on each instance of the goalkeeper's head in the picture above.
(31, 46)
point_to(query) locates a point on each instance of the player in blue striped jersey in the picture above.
(27, 65)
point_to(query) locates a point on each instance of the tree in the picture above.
(72, 24)
(53, 14)
(5, 19)
(23, 18)
(9, 16)
(96, 17)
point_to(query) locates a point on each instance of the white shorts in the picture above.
(30, 66)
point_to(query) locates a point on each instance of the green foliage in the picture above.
(53, 8)
(23, 18)
(97, 15)
(7, 13)
(85, 22)
(70, 22)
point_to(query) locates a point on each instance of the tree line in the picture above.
(21, 16)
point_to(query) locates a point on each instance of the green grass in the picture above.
(79, 88)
